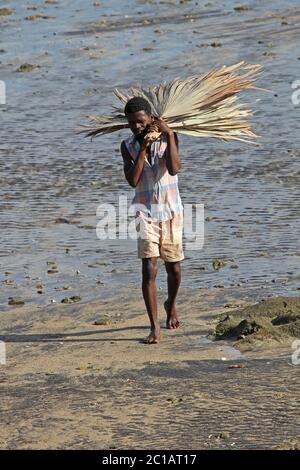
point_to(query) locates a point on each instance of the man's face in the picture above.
(139, 123)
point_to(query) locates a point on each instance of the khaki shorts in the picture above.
(160, 239)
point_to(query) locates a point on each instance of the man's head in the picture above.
(138, 113)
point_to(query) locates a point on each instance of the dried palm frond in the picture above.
(201, 106)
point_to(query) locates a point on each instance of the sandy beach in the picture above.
(71, 384)
(76, 375)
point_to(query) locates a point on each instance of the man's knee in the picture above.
(173, 268)
(149, 269)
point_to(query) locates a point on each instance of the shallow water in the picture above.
(229, 351)
(250, 194)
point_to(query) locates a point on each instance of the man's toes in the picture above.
(153, 341)
(173, 324)
(146, 340)
(150, 340)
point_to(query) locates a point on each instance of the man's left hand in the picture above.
(162, 125)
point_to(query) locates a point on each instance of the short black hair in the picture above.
(137, 103)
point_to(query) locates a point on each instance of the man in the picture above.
(151, 167)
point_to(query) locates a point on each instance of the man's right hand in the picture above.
(151, 136)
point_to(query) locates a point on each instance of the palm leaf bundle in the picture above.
(201, 106)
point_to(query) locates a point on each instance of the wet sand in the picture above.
(71, 384)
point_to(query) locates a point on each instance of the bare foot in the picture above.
(153, 337)
(172, 319)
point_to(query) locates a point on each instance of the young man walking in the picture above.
(151, 167)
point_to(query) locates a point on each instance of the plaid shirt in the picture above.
(156, 190)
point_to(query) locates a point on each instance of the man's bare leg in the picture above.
(149, 269)
(174, 278)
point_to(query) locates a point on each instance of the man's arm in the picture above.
(133, 169)
(172, 155)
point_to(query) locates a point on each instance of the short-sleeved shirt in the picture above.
(157, 191)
